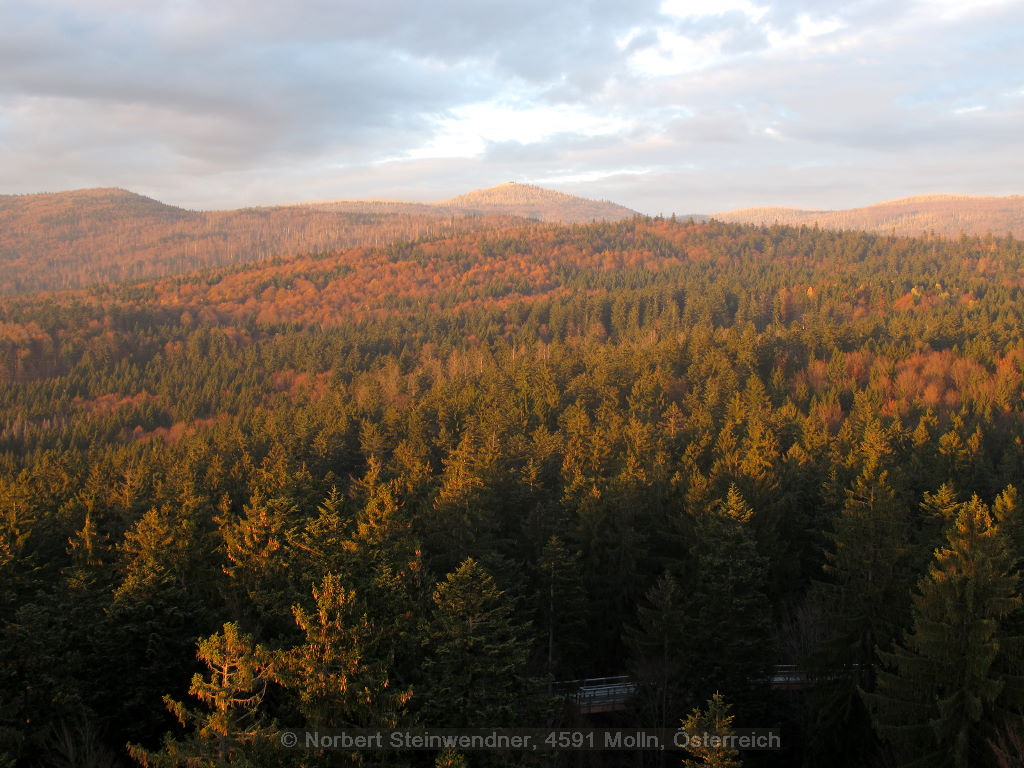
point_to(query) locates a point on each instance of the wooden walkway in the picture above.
(595, 695)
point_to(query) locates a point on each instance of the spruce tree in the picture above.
(231, 728)
(864, 605)
(340, 673)
(713, 720)
(475, 669)
(659, 647)
(560, 603)
(730, 639)
(955, 673)
(258, 566)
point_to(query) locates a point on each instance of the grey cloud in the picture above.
(226, 102)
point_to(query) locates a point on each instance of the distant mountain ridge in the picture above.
(84, 237)
(946, 215)
(512, 198)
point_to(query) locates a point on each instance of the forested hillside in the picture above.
(92, 236)
(532, 202)
(947, 215)
(416, 484)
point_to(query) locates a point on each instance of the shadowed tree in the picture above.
(339, 674)
(230, 729)
(957, 672)
(474, 674)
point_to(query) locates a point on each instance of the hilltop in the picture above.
(90, 236)
(946, 215)
(525, 201)
(533, 202)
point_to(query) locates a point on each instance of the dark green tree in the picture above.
(340, 673)
(730, 636)
(956, 673)
(864, 605)
(659, 648)
(231, 728)
(474, 674)
(560, 605)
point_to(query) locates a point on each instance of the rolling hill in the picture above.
(946, 215)
(85, 237)
(532, 202)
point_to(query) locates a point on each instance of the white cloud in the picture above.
(468, 130)
(691, 8)
(671, 104)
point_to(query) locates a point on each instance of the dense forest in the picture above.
(422, 484)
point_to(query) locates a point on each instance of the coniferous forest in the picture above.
(428, 483)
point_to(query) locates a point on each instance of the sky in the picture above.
(665, 106)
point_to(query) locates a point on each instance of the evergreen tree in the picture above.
(161, 607)
(957, 672)
(338, 674)
(713, 720)
(560, 604)
(659, 649)
(451, 758)
(231, 729)
(474, 674)
(729, 642)
(258, 566)
(863, 606)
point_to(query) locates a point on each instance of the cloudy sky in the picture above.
(662, 105)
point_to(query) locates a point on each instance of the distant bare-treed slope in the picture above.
(948, 215)
(85, 237)
(522, 200)
(90, 236)
(533, 202)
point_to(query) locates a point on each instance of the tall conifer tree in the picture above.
(957, 671)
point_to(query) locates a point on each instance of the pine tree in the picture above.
(1009, 514)
(339, 674)
(864, 605)
(450, 758)
(475, 670)
(257, 566)
(729, 639)
(162, 605)
(957, 672)
(713, 720)
(659, 649)
(561, 605)
(231, 729)
(319, 542)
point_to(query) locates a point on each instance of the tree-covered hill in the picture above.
(947, 215)
(93, 236)
(415, 484)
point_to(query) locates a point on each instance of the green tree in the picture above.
(731, 621)
(231, 729)
(258, 566)
(337, 674)
(864, 605)
(715, 721)
(560, 604)
(957, 672)
(659, 645)
(475, 669)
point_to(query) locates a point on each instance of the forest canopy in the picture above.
(423, 482)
